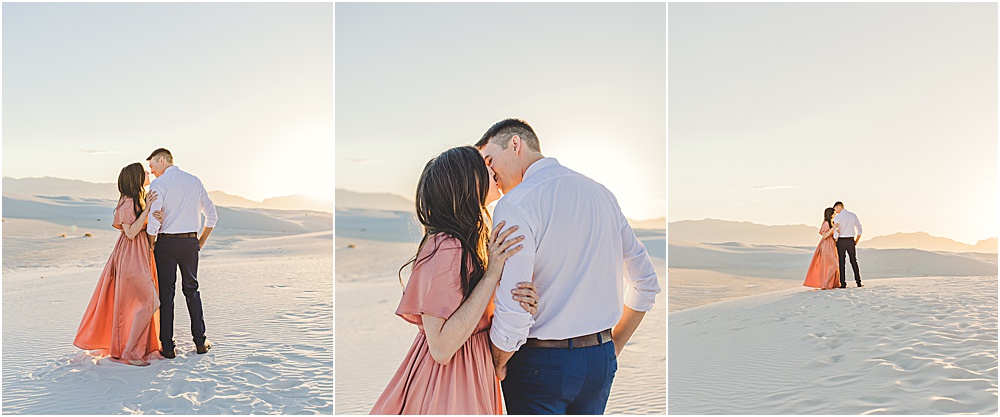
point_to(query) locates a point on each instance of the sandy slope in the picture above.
(267, 297)
(899, 346)
(703, 273)
(371, 341)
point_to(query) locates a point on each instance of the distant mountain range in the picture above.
(660, 223)
(723, 231)
(55, 187)
(346, 199)
(925, 241)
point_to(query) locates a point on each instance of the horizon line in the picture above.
(216, 190)
(806, 225)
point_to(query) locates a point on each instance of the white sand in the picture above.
(920, 338)
(899, 346)
(371, 341)
(265, 282)
(703, 273)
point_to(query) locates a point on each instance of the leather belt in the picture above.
(589, 340)
(192, 234)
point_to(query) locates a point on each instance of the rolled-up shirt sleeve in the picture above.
(153, 225)
(510, 322)
(640, 278)
(857, 221)
(208, 208)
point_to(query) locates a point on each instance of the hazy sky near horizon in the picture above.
(777, 110)
(415, 79)
(241, 93)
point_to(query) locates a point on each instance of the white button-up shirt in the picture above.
(183, 199)
(850, 226)
(577, 244)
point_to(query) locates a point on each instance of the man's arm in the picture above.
(622, 331)
(153, 225)
(641, 286)
(500, 359)
(211, 216)
(857, 221)
(204, 236)
(510, 322)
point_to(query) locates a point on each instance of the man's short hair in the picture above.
(161, 152)
(501, 132)
(838, 204)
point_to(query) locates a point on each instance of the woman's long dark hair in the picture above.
(828, 216)
(451, 199)
(130, 182)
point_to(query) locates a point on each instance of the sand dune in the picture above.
(899, 346)
(378, 225)
(265, 282)
(704, 273)
(97, 214)
(725, 231)
(792, 262)
(60, 187)
(371, 245)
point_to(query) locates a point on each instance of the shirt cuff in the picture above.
(639, 300)
(506, 337)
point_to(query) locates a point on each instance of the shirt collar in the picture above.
(169, 168)
(538, 166)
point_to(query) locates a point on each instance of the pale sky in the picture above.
(416, 79)
(241, 93)
(778, 110)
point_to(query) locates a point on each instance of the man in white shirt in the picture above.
(848, 235)
(562, 360)
(175, 242)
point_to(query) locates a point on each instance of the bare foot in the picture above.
(138, 362)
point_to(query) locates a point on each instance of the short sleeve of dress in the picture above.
(825, 227)
(435, 285)
(124, 213)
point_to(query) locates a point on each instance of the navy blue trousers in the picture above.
(171, 253)
(560, 381)
(845, 247)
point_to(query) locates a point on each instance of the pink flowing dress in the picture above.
(122, 319)
(468, 383)
(824, 270)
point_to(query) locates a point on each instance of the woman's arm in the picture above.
(133, 229)
(446, 336)
(830, 232)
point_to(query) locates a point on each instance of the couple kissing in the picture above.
(131, 314)
(538, 305)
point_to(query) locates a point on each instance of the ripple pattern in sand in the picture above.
(898, 346)
(270, 321)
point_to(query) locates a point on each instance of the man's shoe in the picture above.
(861, 285)
(201, 350)
(169, 354)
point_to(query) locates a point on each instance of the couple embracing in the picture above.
(131, 314)
(539, 303)
(841, 232)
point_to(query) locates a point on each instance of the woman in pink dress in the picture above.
(449, 296)
(120, 320)
(824, 270)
